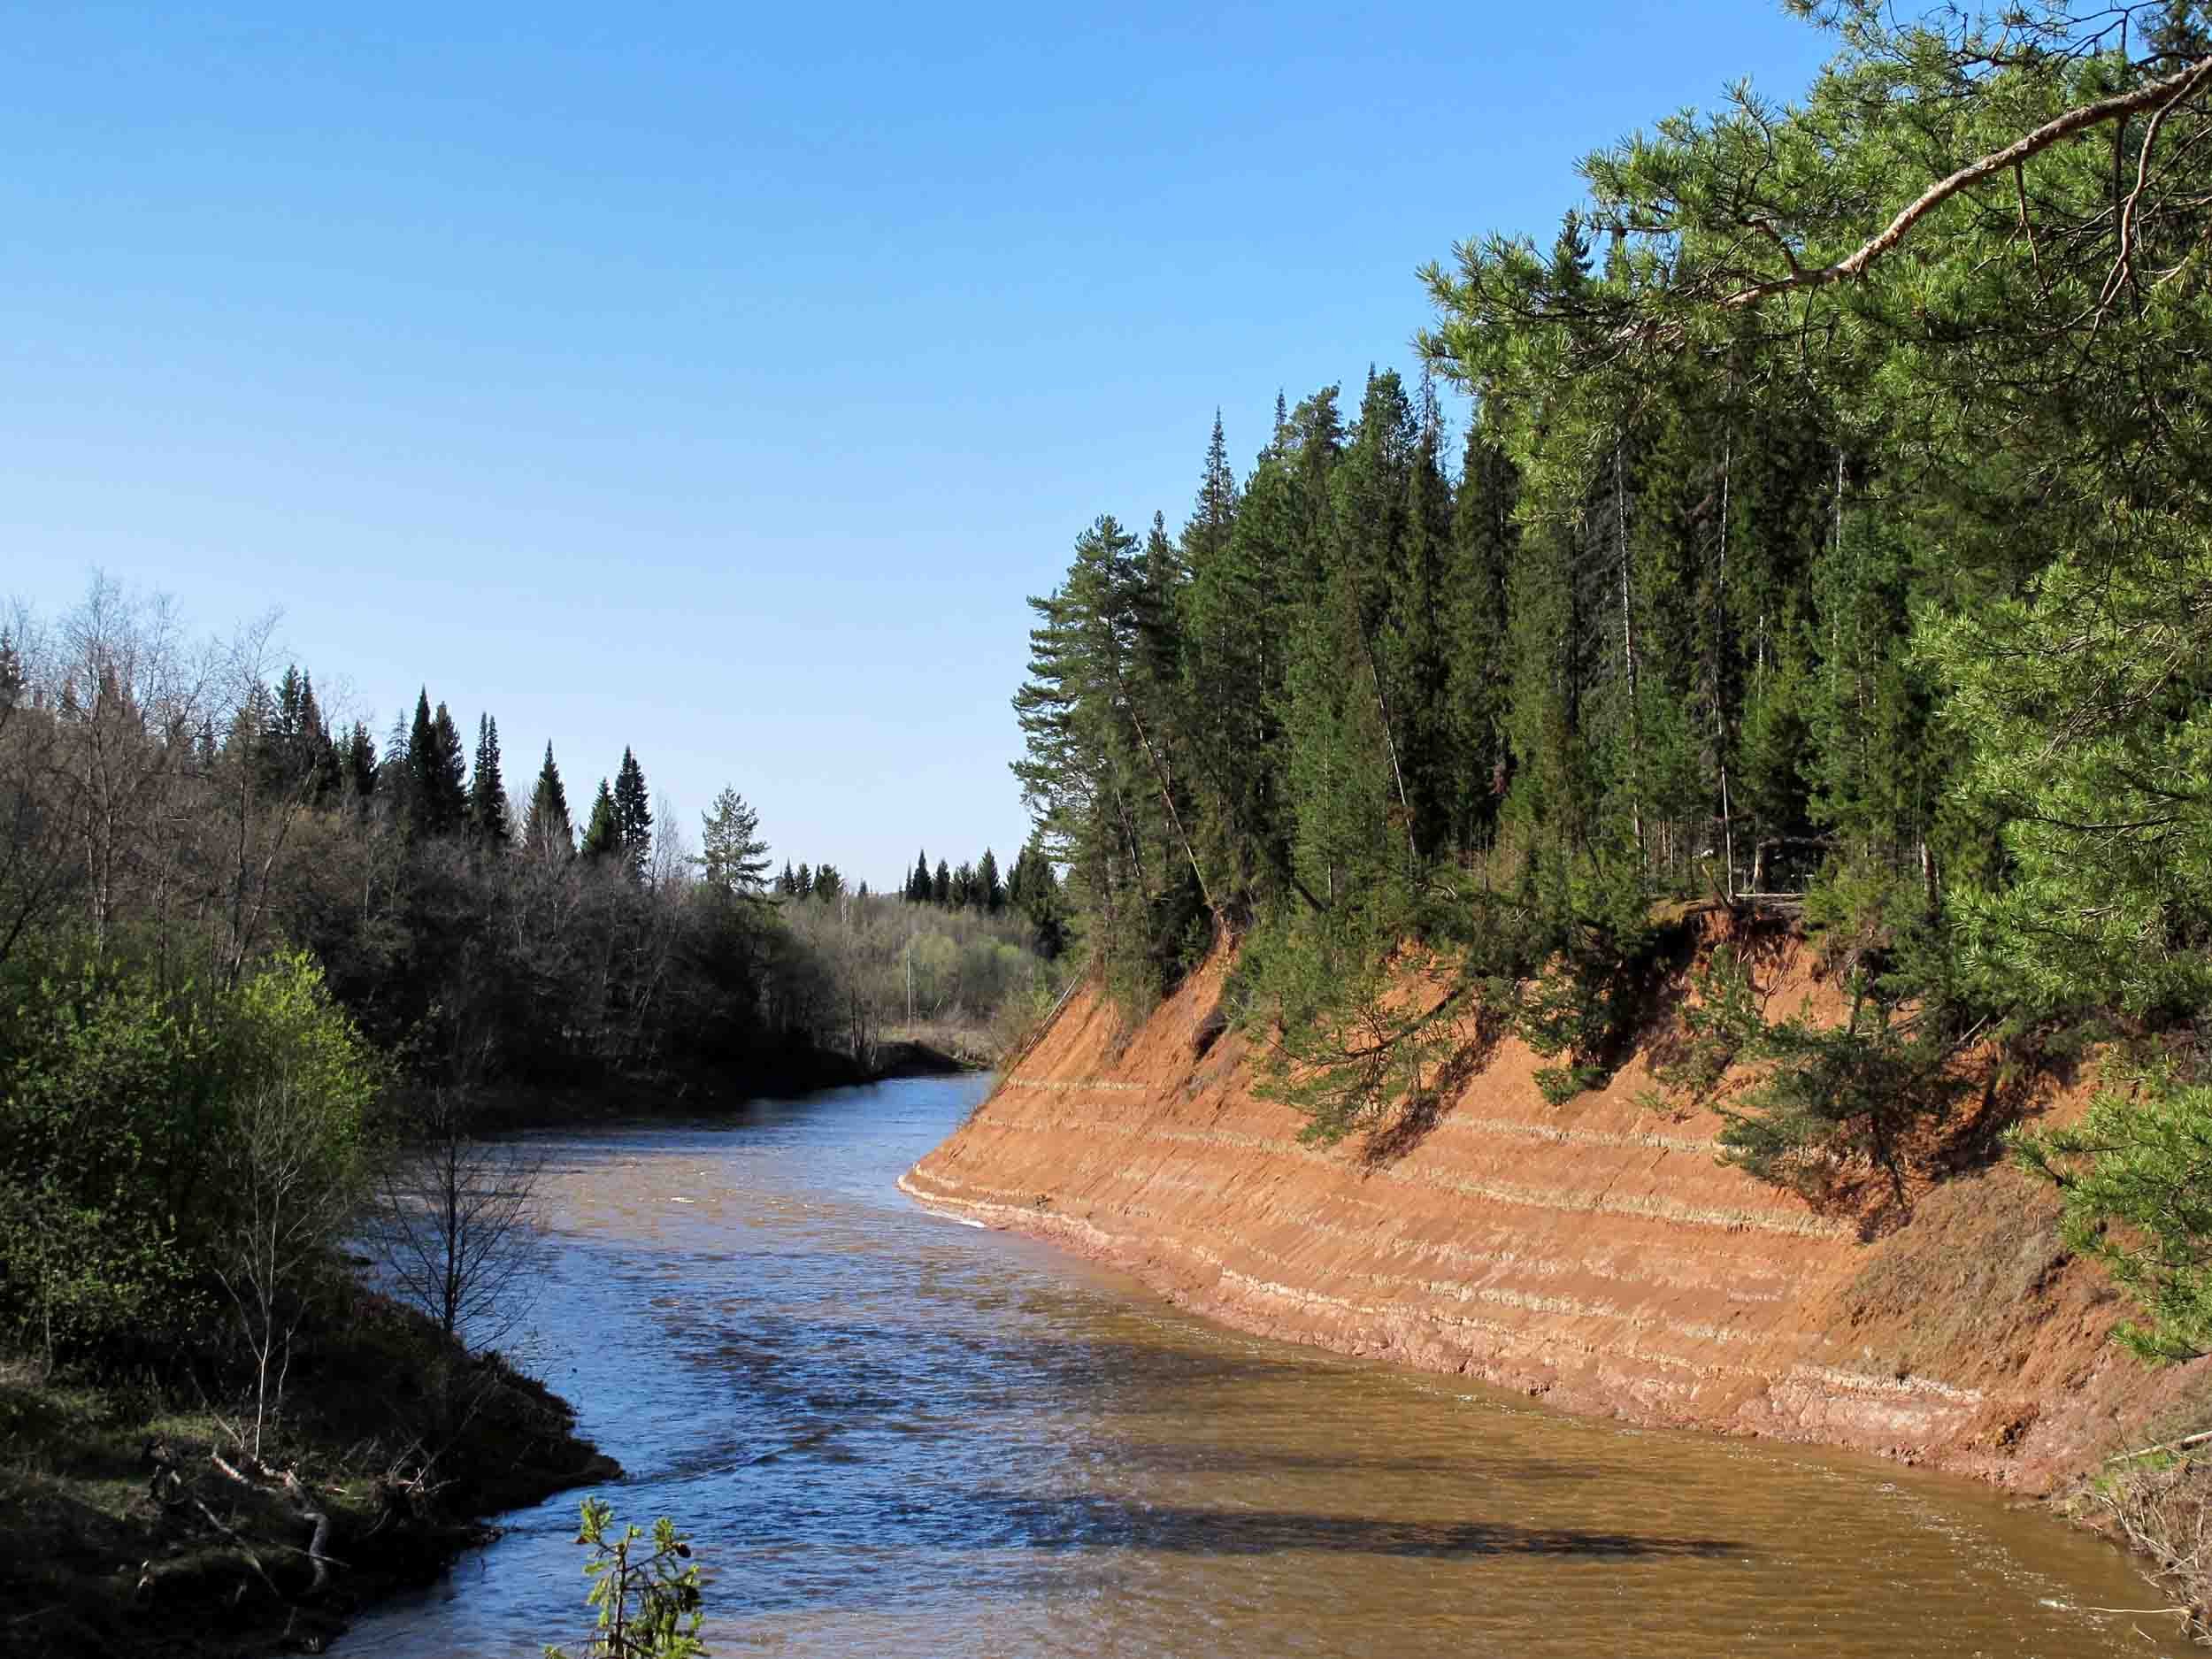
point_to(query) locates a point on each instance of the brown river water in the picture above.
(891, 1434)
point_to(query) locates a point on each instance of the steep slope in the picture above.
(1594, 1253)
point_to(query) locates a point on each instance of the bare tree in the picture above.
(294, 1181)
(456, 1224)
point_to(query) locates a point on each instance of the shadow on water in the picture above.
(1091, 1521)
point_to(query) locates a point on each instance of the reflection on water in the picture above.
(895, 1436)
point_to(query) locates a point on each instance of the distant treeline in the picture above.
(209, 895)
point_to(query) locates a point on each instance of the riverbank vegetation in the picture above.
(1830, 536)
(264, 984)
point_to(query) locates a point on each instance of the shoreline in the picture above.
(1590, 1254)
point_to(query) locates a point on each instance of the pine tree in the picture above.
(487, 791)
(603, 835)
(547, 830)
(803, 886)
(787, 883)
(734, 859)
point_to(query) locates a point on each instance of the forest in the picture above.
(1825, 537)
(252, 962)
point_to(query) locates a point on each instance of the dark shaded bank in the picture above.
(695, 1091)
(131, 1525)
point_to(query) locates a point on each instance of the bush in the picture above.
(647, 1600)
(133, 1117)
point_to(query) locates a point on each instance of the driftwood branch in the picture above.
(2170, 1446)
(290, 1484)
(2155, 95)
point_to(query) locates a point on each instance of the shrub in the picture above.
(647, 1600)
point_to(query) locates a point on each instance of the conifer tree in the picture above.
(488, 790)
(448, 776)
(733, 859)
(603, 835)
(437, 789)
(917, 885)
(360, 769)
(1477, 629)
(941, 885)
(633, 816)
(989, 894)
(547, 830)
(418, 754)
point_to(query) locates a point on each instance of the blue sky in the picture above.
(719, 380)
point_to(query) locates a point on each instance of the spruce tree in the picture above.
(633, 816)
(488, 790)
(989, 894)
(448, 776)
(360, 769)
(547, 830)
(917, 888)
(603, 836)
(415, 750)
(941, 885)
(1477, 628)
(437, 791)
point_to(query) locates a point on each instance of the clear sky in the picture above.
(716, 379)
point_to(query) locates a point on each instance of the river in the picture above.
(891, 1435)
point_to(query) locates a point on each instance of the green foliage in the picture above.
(488, 790)
(1348, 1039)
(645, 1589)
(1581, 1013)
(2136, 1178)
(734, 859)
(602, 835)
(122, 1105)
(1721, 1021)
(547, 832)
(1833, 1096)
(633, 816)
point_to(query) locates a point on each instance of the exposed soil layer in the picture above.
(1594, 1254)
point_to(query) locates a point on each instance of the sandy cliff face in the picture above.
(1592, 1254)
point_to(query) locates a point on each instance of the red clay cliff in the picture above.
(1594, 1253)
